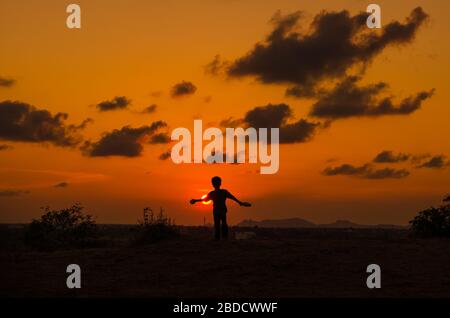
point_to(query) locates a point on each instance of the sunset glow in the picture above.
(205, 202)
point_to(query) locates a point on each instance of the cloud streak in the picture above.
(165, 155)
(117, 103)
(216, 66)
(13, 193)
(183, 88)
(150, 109)
(61, 185)
(6, 82)
(366, 171)
(348, 99)
(388, 156)
(436, 162)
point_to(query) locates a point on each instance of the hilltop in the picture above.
(302, 223)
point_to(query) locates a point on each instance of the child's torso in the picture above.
(219, 197)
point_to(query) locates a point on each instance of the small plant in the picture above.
(66, 228)
(155, 228)
(433, 222)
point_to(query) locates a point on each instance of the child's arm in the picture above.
(232, 197)
(206, 198)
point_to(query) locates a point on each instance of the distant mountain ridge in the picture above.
(302, 223)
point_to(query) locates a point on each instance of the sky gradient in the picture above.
(139, 63)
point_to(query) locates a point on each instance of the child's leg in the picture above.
(224, 225)
(216, 226)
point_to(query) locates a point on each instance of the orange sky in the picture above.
(136, 48)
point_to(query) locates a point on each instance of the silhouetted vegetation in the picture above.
(154, 228)
(433, 222)
(59, 229)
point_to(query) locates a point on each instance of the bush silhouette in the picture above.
(433, 222)
(155, 228)
(66, 228)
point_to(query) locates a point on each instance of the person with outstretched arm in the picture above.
(219, 196)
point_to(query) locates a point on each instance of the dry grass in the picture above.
(277, 263)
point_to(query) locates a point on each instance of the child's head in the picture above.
(216, 182)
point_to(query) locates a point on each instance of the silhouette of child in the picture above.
(219, 196)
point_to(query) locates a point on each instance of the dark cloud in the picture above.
(300, 131)
(436, 162)
(61, 185)
(83, 124)
(418, 159)
(216, 66)
(160, 138)
(5, 147)
(366, 171)
(268, 116)
(150, 109)
(276, 116)
(389, 157)
(421, 160)
(348, 99)
(387, 173)
(118, 102)
(336, 42)
(6, 82)
(13, 193)
(165, 155)
(126, 142)
(183, 88)
(304, 91)
(345, 169)
(23, 122)
(231, 122)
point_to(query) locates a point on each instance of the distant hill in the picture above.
(281, 223)
(343, 224)
(302, 223)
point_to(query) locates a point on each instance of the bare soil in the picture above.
(277, 263)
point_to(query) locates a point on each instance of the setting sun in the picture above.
(205, 202)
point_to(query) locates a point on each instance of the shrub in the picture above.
(433, 222)
(153, 229)
(66, 228)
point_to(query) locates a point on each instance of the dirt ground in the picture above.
(277, 263)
